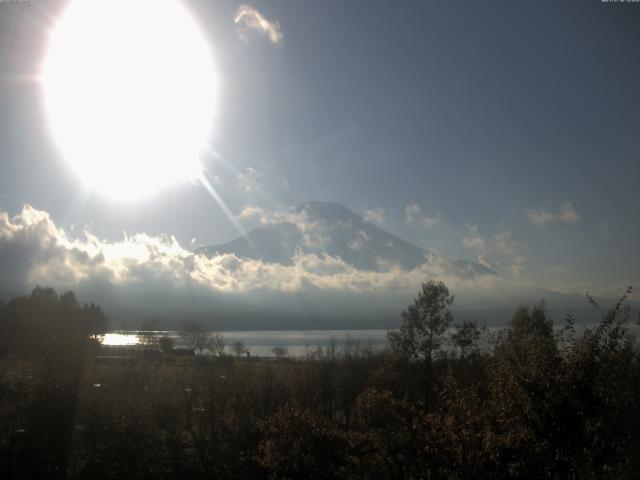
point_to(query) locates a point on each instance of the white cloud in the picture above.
(505, 243)
(146, 272)
(34, 250)
(605, 230)
(360, 241)
(567, 214)
(412, 212)
(517, 267)
(483, 259)
(474, 240)
(413, 216)
(248, 18)
(375, 215)
(247, 179)
(541, 217)
(250, 211)
(501, 253)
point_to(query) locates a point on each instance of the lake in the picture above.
(298, 343)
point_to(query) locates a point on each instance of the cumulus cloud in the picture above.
(249, 19)
(250, 211)
(517, 266)
(566, 214)
(34, 250)
(375, 215)
(413, 216)
(500, 253)
(506, 244)
(474, 240)
(360, 241)
(157, 275)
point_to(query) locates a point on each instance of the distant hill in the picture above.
(329, 228)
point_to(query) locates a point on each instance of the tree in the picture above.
(423, 323)
(194, 336)
(166, 343)
(466, 337)
(43, 319)
(528, 396)
(279, 352)
(239, 348)
(218, 343)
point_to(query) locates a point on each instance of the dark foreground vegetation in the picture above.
(537, 403)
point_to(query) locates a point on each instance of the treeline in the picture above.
(44, 320)
(539, 403)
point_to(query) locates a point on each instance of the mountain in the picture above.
(317, 292)
(329, 228)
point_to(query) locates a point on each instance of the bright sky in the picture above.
(500, 130)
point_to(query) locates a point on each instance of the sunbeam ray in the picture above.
(225, 209)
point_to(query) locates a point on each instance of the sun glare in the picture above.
(129, 89)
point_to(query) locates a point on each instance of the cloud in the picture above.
(559, 269)
(375, 215)
(413, 216)
(602, 290)
(251, 212)
(360, 241)
(33, 250)
(248, 19)
(155, 275)
(605, 230)
(567, 214)
(474, 240)
(411, 212)
(505, 243)
(483, 259)
(247, 179)
(517, 266)
(500, 253)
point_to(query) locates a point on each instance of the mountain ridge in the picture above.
(332, 229)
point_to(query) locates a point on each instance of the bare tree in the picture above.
(239, 348)
(279, 351)
(194, 336)
(218, 343)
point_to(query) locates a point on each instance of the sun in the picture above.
(130, 94)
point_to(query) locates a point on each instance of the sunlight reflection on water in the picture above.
(298, 343)
(120, 339)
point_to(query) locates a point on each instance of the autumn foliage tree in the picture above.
(544, 402)
(424, 323)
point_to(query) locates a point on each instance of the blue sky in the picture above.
(512, 126)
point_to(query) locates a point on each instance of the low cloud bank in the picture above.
(36, 250)
(141, 269)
